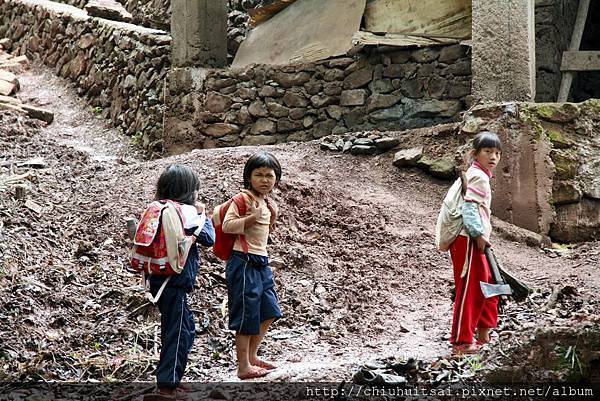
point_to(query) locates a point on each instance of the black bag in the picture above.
(520, 290)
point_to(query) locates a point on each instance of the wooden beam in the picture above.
(397, 39)
(567, 78)
(581, 61)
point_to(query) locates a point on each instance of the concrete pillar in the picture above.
(199, 32)
(503, 45)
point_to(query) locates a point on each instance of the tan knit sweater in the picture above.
(257, 234)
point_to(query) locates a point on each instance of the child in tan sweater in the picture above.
(253, 303)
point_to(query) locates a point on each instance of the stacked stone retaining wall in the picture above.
(271, 104)
(156, 14)
(119, 67)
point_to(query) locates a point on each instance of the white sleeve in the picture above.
(191, 217)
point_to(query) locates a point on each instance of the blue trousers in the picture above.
(250, 292)
(177, 332)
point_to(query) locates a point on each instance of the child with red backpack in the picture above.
(253, 303)
(178, 208)
(475, 315)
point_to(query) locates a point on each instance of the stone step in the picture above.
(11, 66)
(10, 100)
(108, 9)
(9, 77)
(38, 113)
(7, 88)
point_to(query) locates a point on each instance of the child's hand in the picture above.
(253, 214)
(481, 243)
(200, 207)
(254, 210)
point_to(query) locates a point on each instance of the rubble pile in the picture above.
(552, 337)
(9, 85)
(355, 264)
(361, 143)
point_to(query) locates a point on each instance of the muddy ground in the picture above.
(357, 273)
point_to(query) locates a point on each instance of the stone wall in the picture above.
(150, 13)
(74, 3)
(573, 129)
(119, 67)
(156, 14)
(267, 104)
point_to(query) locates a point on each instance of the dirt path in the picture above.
(357, 273)
(75, 125)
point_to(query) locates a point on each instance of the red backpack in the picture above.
(224, 242)
(160, 246)
(223, 246)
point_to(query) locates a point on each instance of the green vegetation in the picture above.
(529, 116)
(556, 137)
(556, 112)
(569, 360)
(545, 111)
(136, 139)
(475, 364)
(566, 164)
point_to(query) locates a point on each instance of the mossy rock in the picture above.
(472, 125)
(529, 116)
(576, 221)
(591, 107)
(564, 192)
(558, 140)
(565, 163)
(556, 112)
(444, 167)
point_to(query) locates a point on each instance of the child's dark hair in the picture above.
(258, 160)
(486, 139)
(178, 183)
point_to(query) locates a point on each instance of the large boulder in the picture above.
(443, 167)
(408, 157)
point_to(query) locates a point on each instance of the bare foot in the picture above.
(252, 372)
(483, 335)
(168, 394)
(464, 349)
(262, 364)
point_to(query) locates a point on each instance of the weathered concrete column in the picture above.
(199, 32)
(503, 44)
